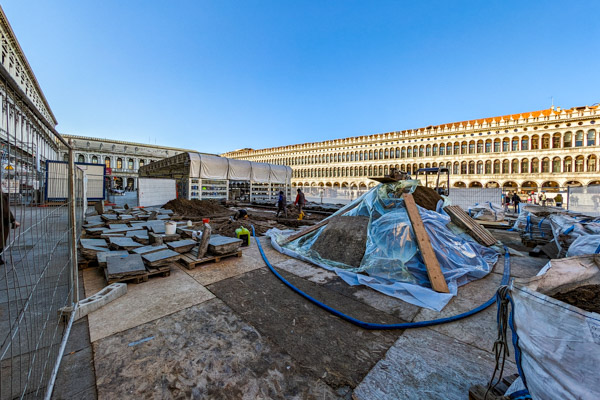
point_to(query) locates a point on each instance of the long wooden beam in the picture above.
(434, 271)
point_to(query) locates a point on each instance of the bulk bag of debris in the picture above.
(583, 245)
(371, 242)
(487, 211)
(557, 329)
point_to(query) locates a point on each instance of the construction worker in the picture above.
(300, 202)
(516, 200)
(543, 198)
(282, 204)
(558, 199)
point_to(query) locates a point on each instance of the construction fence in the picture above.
(38, 270)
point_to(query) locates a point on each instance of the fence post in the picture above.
(568, 195)
(71, 201)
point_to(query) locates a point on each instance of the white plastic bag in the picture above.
(558, 344)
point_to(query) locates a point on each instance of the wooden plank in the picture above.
(434, 271)
(460, 218)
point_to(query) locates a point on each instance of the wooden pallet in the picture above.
(163, 271)
(191, 262)
(460, 218)
(128, 279)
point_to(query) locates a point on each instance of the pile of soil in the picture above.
(197, 208)
(586, 297)
(426, 197)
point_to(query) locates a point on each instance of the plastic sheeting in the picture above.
(194, 165)
(213, 167)
(559, 343)
(278, 174)
(487, 211)
(239, 170)
(586, 244)
(261, 172)
(392, 263)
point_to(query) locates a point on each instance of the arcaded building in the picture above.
(547, 149)
(122, 159)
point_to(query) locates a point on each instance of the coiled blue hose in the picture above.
(405, 325)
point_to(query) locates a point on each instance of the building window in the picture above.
(535, 166)
(442, 150)
(435, 149)
(497, 166)
(142, 163)
(591, 137)
(94, 160)
(556, 164)
(119, 163)
(480, 147)
(505, 145)
(579, 139)
(568, 140)
(515, 144)
(130, 163)
(545, 165)
(568, 164)
(107, 162)
(579, 162)
(66, 158)
(471, 147)
(524, 143)
(80, 158)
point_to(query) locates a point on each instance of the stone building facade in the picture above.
(548, 149)
(122, 159)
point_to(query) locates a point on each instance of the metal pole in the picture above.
(73, 223)
(568, 195)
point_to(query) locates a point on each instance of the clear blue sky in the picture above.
(220, 75)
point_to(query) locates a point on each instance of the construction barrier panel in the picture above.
(57, 173)
(156, 191)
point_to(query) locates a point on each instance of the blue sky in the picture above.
(221, 75)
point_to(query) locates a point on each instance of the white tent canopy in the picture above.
(239, 170)
(205, 166)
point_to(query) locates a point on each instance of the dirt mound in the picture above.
(586, 297)
(426, 197)
(197, 208)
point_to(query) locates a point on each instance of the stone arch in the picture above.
(510, 185)
(459, 184)
(550, 185)
(475, 184)
(593, 183)
(492, 184)
(573, 183)
(529, 185)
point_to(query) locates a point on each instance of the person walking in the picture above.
(516, 200)
(8, 221)
(300, 202)
(507, 198)
(282, 204)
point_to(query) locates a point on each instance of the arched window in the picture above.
(456, 148)
(488, 146)
(434, 150)
(463, 167)
(505, 145)
(397, 152)
(455, 168)
(568, 164)
(403, 153)
(479, 167)
(515, 144)
(545, 164)
(428, 150)
(442, 150)
(591, 164)
(421, 151)
(471, 147)
(556, 164)
(480, 146)
(449, 149)
(525, 143)
(579, 161)
(505, 167)
(130, 163)
(80, 158)
(535, 166)
(546, 141)
(497, 146)
(535, 142)
(496, 166)
(66, 157)
(514, 166)
(409, 152)
(119, 163)
(488, 167)
(463, 148)
(568, 140)
(94, 159)
(387, 153)
(591, 137)
(107, 162)
(142, 163)
(524, 166)
(579, 139)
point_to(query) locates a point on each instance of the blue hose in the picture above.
(405, 325)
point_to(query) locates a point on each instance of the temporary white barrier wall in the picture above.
(155, 191)
(57, 184)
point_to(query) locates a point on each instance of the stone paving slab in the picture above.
(337, 351)
(204, 351)
(149, 249)
(146, 302)
(424, 364)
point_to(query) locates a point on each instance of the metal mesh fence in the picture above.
(328, 195)
(37, 276)
(467, 197)
(584, 199)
